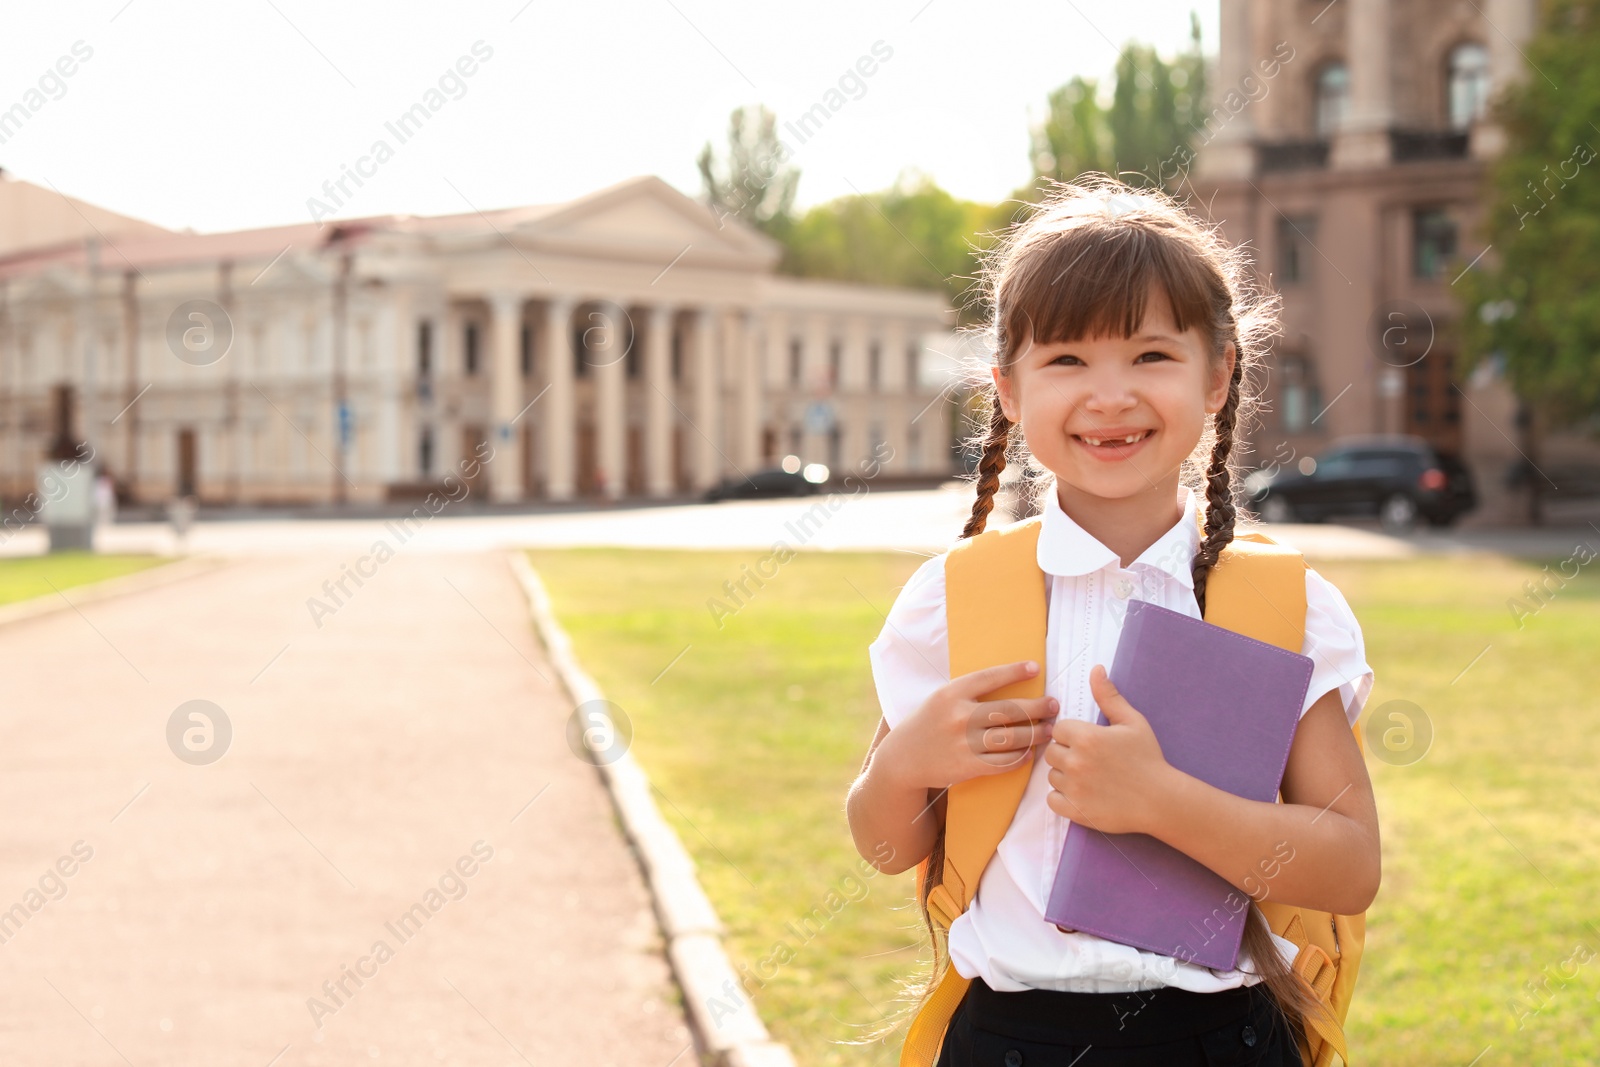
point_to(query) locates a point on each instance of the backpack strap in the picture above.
(996, 613)
(1266, 599)
(994, 586)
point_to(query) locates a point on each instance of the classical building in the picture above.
(625, 344)
(1348, 148)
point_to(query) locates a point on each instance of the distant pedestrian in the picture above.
(105, 499)
(180, 513)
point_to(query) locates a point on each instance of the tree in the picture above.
(1075, 137)
(1156, 107)
(753, 182)
(1532, 302)
(914, 234)
(917, 235)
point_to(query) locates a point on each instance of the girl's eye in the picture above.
(1152, 352)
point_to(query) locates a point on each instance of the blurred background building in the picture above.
(629, 343)
(1355, 169)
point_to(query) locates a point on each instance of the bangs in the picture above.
(1095, 279)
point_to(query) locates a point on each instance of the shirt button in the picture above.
(1248, 1036)
(1013, 1058)
(1124, 588)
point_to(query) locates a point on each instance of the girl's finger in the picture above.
(1014, 712)
(1003, 738)
(983, 682)
(1000, 762)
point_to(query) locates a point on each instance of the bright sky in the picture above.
(231, 115)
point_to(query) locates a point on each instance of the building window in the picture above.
(913, 366)
(874, 372)
(1433, 241)
(424, 348)
(794, 361)
(1333, 98)
(1468, 87)
(1296, 235)
(425, 451)
(525, 350)
(469, 348)
(1302, 399)
(677, 353)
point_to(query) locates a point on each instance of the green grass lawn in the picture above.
(1484, 935)
(26, 577)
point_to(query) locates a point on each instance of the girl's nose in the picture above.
(1110, 400)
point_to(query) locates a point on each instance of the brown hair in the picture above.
(1084, 264)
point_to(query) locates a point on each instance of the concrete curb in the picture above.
(727, 1030)
(77, 596)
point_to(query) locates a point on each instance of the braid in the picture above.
(1220, 512)
(989, 468)
(1295, 998)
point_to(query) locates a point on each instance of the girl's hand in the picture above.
(1111, 777)
(955, 736)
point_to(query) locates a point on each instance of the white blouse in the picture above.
(1003, 936)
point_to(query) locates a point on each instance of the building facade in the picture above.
(1348, 149)
(628, 344)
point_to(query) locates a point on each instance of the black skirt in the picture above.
(1166, 1027)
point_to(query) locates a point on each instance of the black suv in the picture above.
(1398, 479)
(790, 478)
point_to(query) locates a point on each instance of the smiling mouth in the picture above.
(1112, 443)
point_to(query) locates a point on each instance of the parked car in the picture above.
(1398, 479)
(789, 478)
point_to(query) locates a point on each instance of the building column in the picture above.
(658, 411)
(894, 392)
(1364, 141)
(608, 390)
(10, 437)
(774, 368)
(131, 371)
(1511, 23)
(741, 333)
(850, 397)
(703, 355)
(814, 385)
(388, 382)
(560, 463)
(505, 393)
(1226, 150)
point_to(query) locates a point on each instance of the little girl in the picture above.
(1122, 333)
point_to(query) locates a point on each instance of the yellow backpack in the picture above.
(995, 610)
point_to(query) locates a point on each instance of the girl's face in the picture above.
(1156, 386)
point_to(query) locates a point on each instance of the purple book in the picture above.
(1225, 708)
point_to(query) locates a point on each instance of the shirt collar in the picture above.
(1066, 548)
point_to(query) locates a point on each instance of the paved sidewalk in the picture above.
(922, 521)
(375, 763)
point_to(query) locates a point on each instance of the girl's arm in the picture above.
(896, 806)
(893, 823)
(1318, 849)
